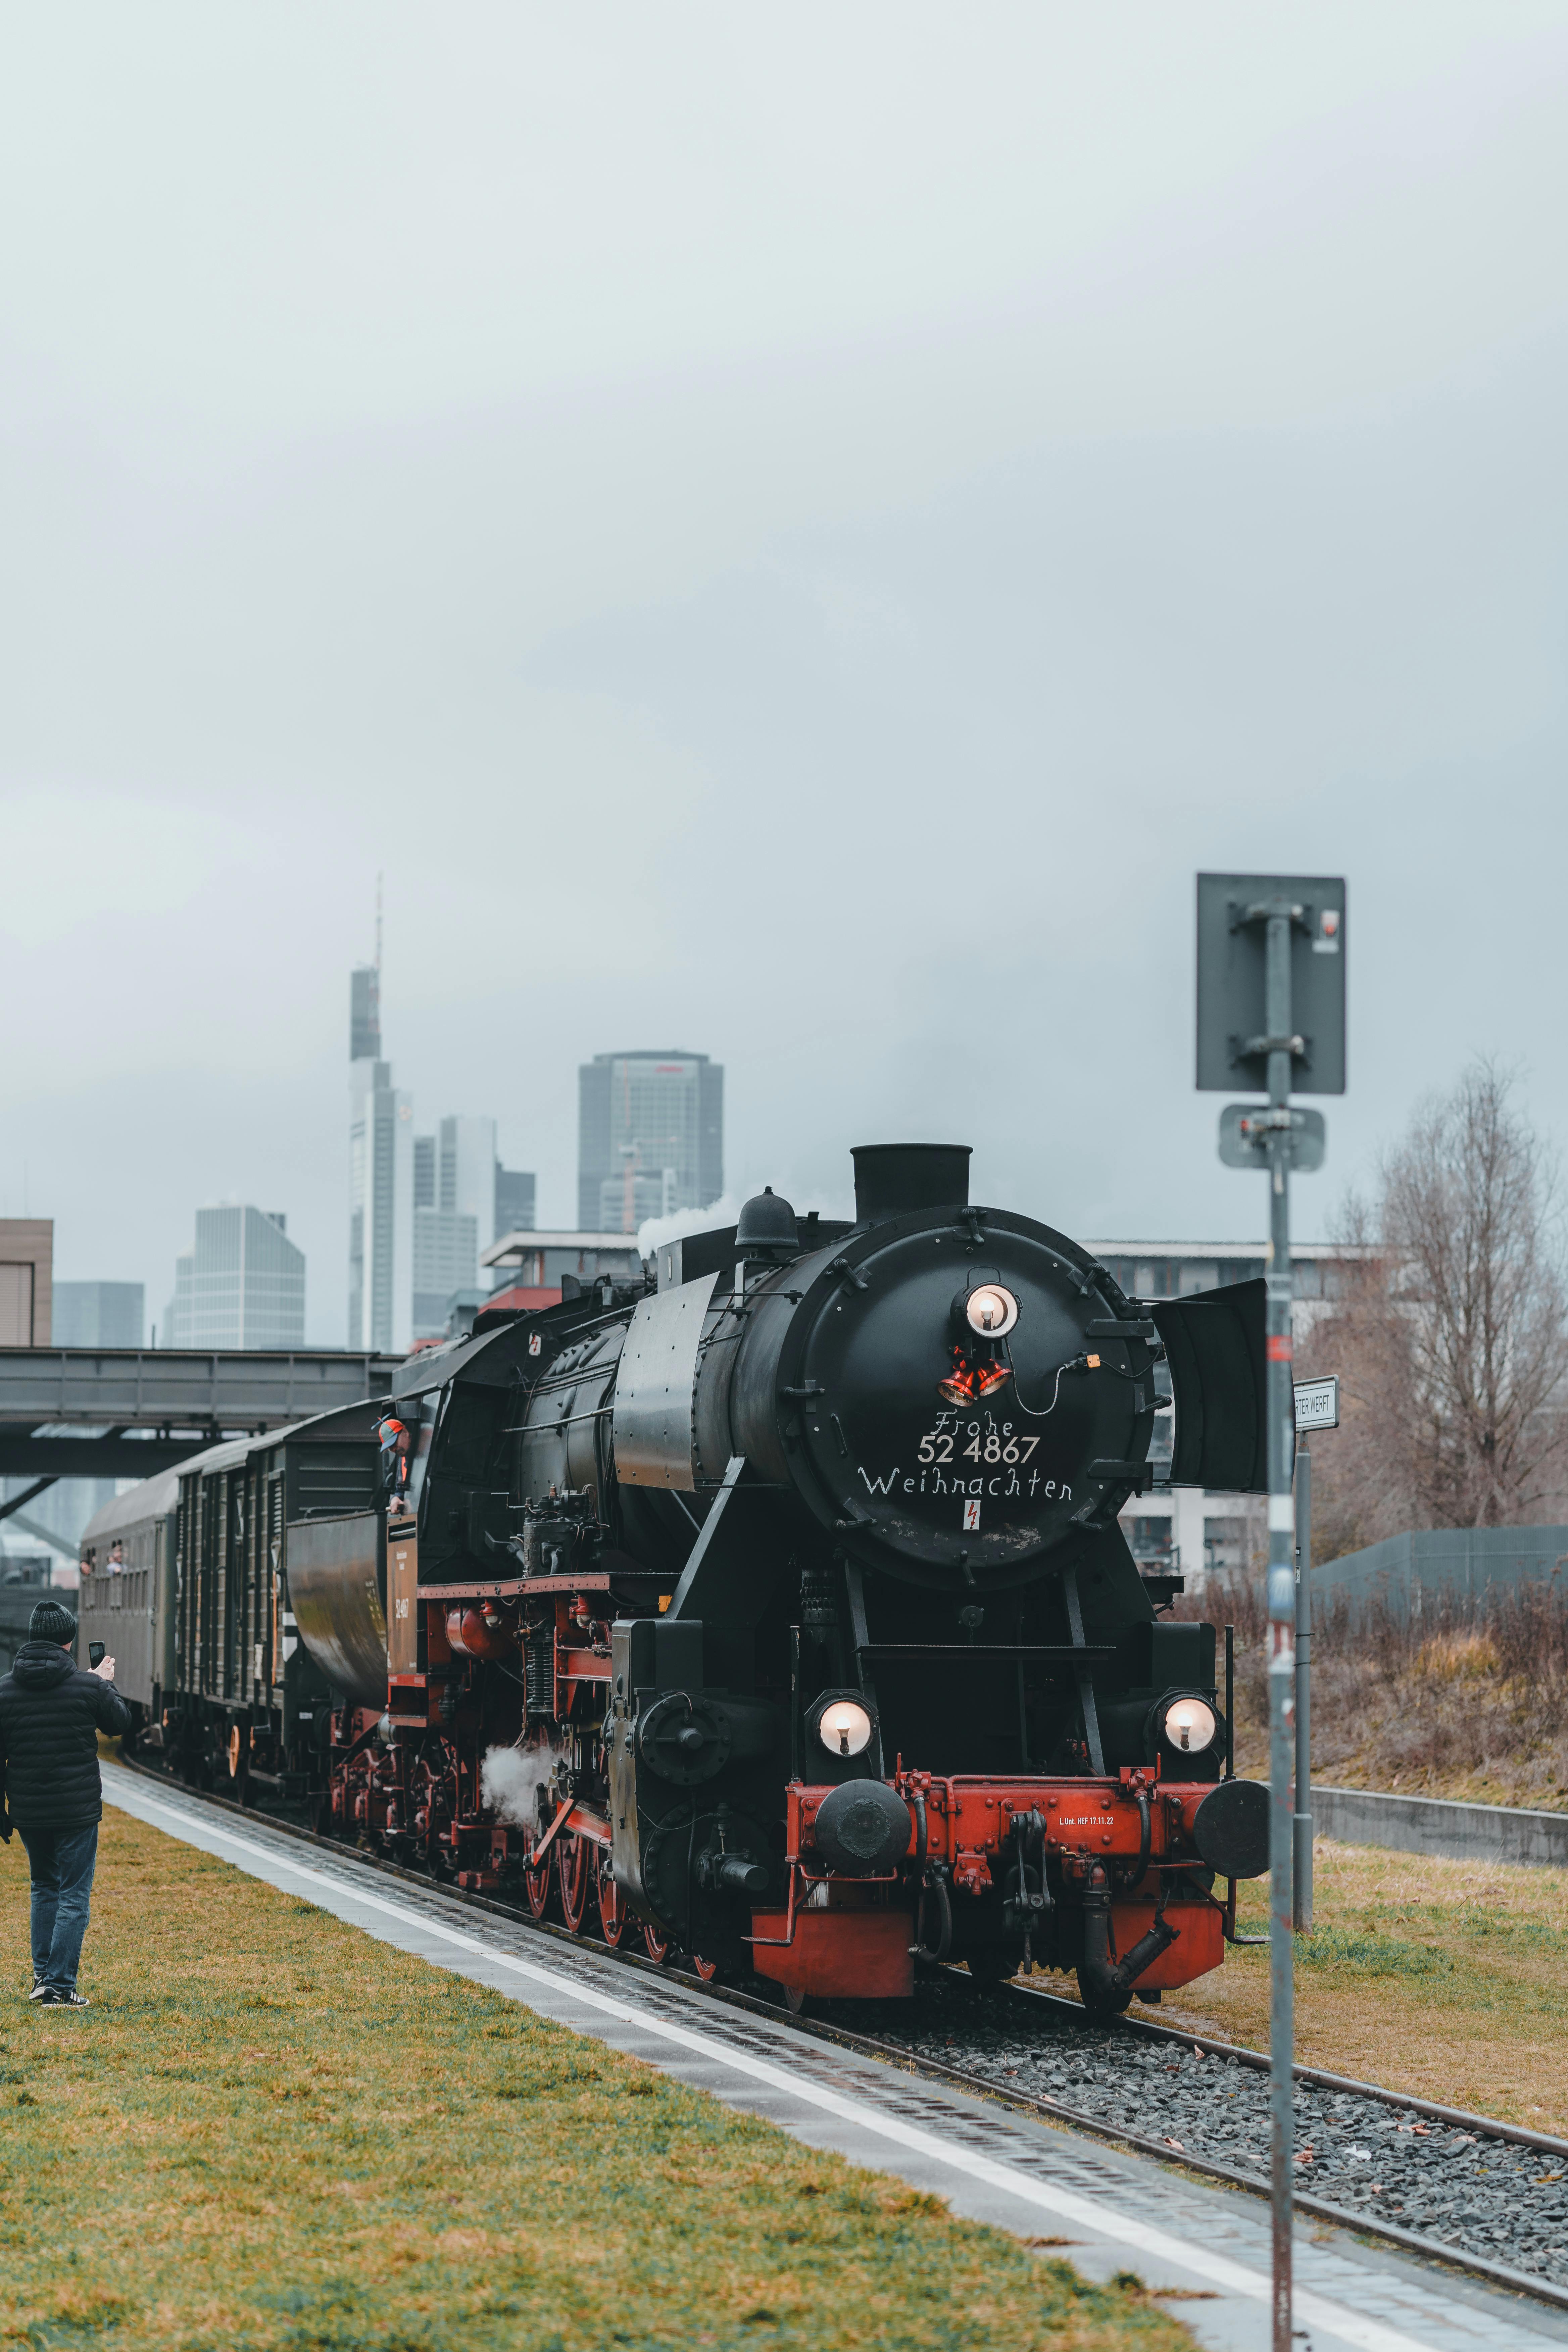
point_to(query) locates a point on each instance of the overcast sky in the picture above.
(789, 536)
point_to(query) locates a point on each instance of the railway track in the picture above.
(1483, 2195)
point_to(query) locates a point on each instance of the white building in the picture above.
(243, 1285)
(1185, 1528)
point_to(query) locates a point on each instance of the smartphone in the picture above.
(95, 1654)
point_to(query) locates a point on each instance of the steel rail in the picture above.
(914, 2062)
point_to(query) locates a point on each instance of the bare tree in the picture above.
(1452, 1329)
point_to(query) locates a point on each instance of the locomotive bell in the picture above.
(767, 1229)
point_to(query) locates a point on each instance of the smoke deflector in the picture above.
(1220, 1382)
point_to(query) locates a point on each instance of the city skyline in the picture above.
(421, 1208)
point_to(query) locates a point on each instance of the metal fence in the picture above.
(1448, 1563)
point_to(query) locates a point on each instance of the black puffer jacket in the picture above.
(51, 1712)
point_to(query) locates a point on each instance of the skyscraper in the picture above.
(381, 1212)
(380, 1179)
(651, 1138)
(243, 1285)
(454, 1215)
(421, 1207)
(515, 1192)
(98, 1314)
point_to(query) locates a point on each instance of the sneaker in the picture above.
(54, 1998)
(40, 1989)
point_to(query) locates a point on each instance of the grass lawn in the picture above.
(271, 2131)
(1447, 1979)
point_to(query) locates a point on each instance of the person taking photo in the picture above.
(51, 1712)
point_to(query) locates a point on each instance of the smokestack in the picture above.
(893, 1178)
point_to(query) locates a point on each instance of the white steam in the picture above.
(654, 1231)
(511, 1779)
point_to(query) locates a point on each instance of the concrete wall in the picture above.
(1437, 1825)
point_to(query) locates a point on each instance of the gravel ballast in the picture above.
(1483, 2195)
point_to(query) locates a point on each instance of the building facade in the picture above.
(100, 1314)
(529, 1270)
(27, 1281)
(651, 1138)
(243, 1284)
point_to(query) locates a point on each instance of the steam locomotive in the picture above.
(771, 1605)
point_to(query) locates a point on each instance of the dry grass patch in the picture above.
(273, 2132)
(1459, 1696)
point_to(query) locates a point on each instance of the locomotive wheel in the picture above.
(655, 1946)
(615, 1919)
(574, 1858)
(537, 1886)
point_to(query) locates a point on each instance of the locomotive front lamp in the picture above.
(991, 1311)
(844, 1727)
(987, 1313)
(1189, 1726)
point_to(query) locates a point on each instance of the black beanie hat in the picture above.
(50, 1623)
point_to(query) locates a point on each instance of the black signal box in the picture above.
(1232, 931)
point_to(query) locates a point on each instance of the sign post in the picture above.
(1317, 1407)
(1271, 1014)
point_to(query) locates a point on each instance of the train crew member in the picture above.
(394, 1448)
(115, 1563)
(51, 1712)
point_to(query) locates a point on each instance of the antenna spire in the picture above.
(378, 881)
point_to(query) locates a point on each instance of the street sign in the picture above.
(1234, 1037)
(1245, 1129)
(1318, 1403)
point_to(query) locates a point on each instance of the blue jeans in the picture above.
(62, 1863)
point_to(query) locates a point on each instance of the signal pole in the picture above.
(1279, 1044)
(1270, 968)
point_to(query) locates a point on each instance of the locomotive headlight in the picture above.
(991, 1311)
(844, 1727)
(1189, 1726)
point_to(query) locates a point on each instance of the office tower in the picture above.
(515, 1202)
(243, 1284)
(651, 1138)
(466, 1173)
(364, 1012)
(458, 1194)
(424, 1172)
(381, 1212)
(98, 1314)
(381, 1177)
(446, 1260)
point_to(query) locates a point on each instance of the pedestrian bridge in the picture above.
(124, 1413)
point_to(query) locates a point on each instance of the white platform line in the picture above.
(1335, 2319)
